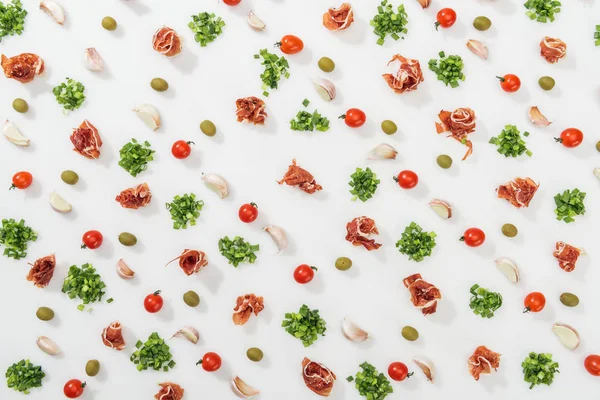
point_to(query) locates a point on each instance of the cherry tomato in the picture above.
(510, 83)
(446, 17)
(592, 364)
(398, 371)
(534, 302)
(304, 273)
(290, 44)
(91, 240)
(21, 180)
(248, 212)
(210, 362)
(181, 149)
(232, 2)
(473, 237)
(153, 302)
(354, 117)
(74, 388)
(407, 179)
(571, 137)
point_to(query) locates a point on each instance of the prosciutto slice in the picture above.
(358, 231)
(407, 77)
(244, 307)
(482, 361)
(191, 261)
(337, 19)
(169, 391)
(166, 42)
(135, 197)
(42, 271)
(422, 294)
(23, 67)
(552, 49)
(317, 377)
(518, 192)
(86, 140)
(112, 336)
(459, 123)
(296, 176)
(251, 109)
(567, 256)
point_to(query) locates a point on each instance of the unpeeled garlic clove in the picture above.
(509, 269)
(54, 10)
(59, 204)
(353, 332)
(567, 335)
(242, 389)
(188, 332)
(325, 88)
(278, 236)
(149, 115)
(255, 22)
(597, 172)
(537, 118)
(383, 151)
(123, 270)
(47, 345)
(12, 133)
(426, 366)
(92, 60)
(441, 208)
(478, 48)
(216, 183)
(424, 3)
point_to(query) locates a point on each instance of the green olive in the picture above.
(409, 333)
(546, 82)
(208, 128)
(255, 354)
(569, 299)
(92, 367)
(191, 298)
(343, 263)
(159, 84)
(389, 127)
(482, 23)
(598, 146)
(326, 64)
(444, 161)
(44, 313)
(20, 105)
(509, 230)
(69, 177)
(127, 239)
(109, 23)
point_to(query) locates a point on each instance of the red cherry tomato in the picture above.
(74, 388)
(181, 149)
(534, 302)
(592, 364)
(91, 240)
(248, 212)
(354, 117)
(571, 137)
(304, 273)
(210, 362)
(446, 17)
(153, 302)
(232, 2)
(398, 371)
(407, 179)
(510, 83)
(473, 237)
(21, 180)
(290, 44)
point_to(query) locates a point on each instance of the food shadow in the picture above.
(496, 379)
(186, 62)
(105, 251)
(446, 311)
(166, 313)
(34, 191)
(356, 34)
(212, 278)
(302, 58)
(503, 7)
(138, 7)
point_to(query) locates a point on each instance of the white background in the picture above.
(204, 84)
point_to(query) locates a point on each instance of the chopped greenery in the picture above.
(84, 283)
(306, 121)
(387, 22)
(569, 204)
(483, 302)
(597, 36)
(542, 10)
(415, 243)
(237, 250)
(363, 183)
(510, 143)
(275, 68)
(14, 236)
(153, 353)
(448, 69)
(69, 94)
(539, 369)
(305, 325)
(371, 383)
(206, 27)
(12, 18)
(135, 157)
(184, 209)
(23, 375)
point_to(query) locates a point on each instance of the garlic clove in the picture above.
(278, 236)
(597, 172)
(537, 118)
(216, 183)
(325, 88)
(424, 3)
(149, 115)
(255, 22)
(441, 208)
(509, 269)
(92, 60)
(478, 48)
(567, 335)
(383, 151)
(353, 332)
(242, 389)
(54, 10)
(426, 366)
(59, 204)
(123, 270)
(188, 332)
(47, 345)
(12, 133)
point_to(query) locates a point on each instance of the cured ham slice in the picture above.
(23, 67)
(518, 192)
(169, 391)
(42, 271)
(422, 294)
(552, 49)
(244, 307)
(358, 231)
(317, 377)
(166, 41)
(482, 361)
(135, 197)
(86, 140)
(251, 109)
(337, 19)
(567, 256)
(112, 336)
(407, 77)
(296, 176)
(459, 123)
(191, 261)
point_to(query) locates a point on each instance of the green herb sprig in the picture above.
(306, 121)
(387, 22)
(539, 369)
(23, 375)
(12, 18)
(237, 250)
(84, 283)
(153, 353)
(569, 204)
(484, 302)
(415, 243)
(542, 10)
(597, 36)
(15, 236)
(305, 325)
(206, 27)
(70, 94)
(371, 383)
(184, 209)
(510, 143)
(448, 69)
(135, 156)
(363, 183)
(275, 68)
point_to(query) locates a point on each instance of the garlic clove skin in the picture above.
(13, 134)
(93, 61)
(242, 389)
(54, 10)
(478, 48)
(59, 204)
(47, 345)
(509, 269)
(353, 332)
(567, 335)
(424, 3)
(441, 208)
(325, 88)
(537, 118)
(149, 115)
(255, 22)
(188, 332)
(278, 235)
(426, 366)
(216, 183)
(123, 270)
(383, 151)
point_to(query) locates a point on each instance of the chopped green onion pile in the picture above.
(415, 243)
(85, 284)
(184, 209)
(14, 237)
(275, 68)
(509, 142)
(306, 121)
(135, 157)
(387, 22)
(597, 35)
(153, 353)
(483, 302)
(371, 383)
(448, 69)
(305, 325)
(539, 369)
(363, 183)
(23, 376)
(206, 27)
(542, 10)
(70, 94)
(12, 18)
(237, 250)
(569, 204)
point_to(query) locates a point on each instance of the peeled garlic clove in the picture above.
(537, 118)
(54, 10)
(149, 115)
(567, 335)
(123, 270)
(426, 366)
(597, 172)
(478, 48)
(353, 332)
(509, 269)
(441, 208)
(93, 61)
(278, 236)
(216, 183)
(59, 204)
(424, 3)
(12, 133)
(255, 22)
(242, 389)
(383, 151)
(47, 345)
(325, 88)
(189, 333)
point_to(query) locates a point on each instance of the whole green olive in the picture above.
(44, 313)
(389, 127)
(159, 84)
(343, 263)
(109, 23)
(409, 333)
(444, 161)
(191, 298)
(92, 367)
(546, 82)
(69, 177)
(255, 354)
(569, 299)
(509, 230)
(20, 105)
(326, 64)
(598, 146)
(482, 23)
(208, 128)
(127, 239)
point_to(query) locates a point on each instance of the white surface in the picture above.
(204, 83)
